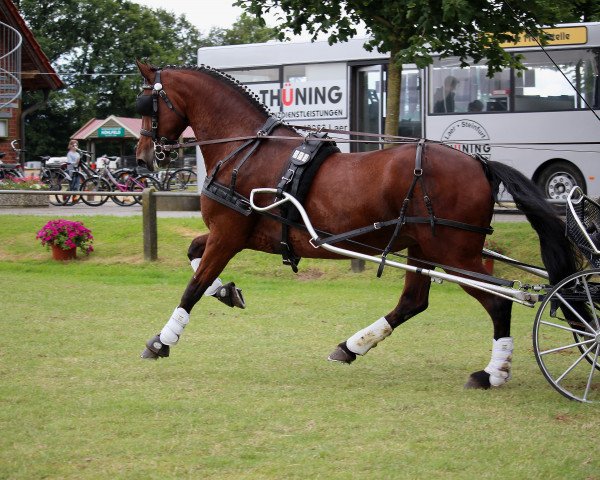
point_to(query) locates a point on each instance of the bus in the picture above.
(536, 122)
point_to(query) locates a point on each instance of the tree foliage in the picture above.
(93, 46)
(412, 30)
(246, 29)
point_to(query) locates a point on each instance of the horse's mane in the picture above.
(224, 78)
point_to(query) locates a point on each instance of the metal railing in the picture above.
(10, 66)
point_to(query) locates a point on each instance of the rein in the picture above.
(391, 139)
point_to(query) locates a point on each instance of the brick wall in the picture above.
(13, 133)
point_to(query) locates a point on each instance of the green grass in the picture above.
(249, 394)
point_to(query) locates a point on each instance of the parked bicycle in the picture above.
(107, 181)
(11, 171)
(53, 173)
(175, 180)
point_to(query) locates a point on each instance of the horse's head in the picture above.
(164, 119)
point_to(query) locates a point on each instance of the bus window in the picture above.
(455, 90)
(543, 88)
(255, 75)
(314, 72)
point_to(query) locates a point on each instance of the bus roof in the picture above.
(271, 54)
(288, 53)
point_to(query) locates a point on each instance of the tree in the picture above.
(412, 30)
(93, 45)
(246, 29)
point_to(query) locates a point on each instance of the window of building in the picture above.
(3, 128)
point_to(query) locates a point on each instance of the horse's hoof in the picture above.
(342, 354)
(480, 380)
(148, 355)
(230, 295)
(155, 349)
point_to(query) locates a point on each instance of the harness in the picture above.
(227, 195)
(303, 164)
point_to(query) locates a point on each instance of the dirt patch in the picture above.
(310, 274)
(186, 232)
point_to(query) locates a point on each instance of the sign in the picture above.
(306, 101)
(109, 132)
(468, 136)
(554, 36)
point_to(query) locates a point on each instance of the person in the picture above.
(73, 159)
(444, 96)
(476, 106)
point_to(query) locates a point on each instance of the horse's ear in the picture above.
(145, 69)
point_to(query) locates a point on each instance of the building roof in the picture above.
(36, 71)
(131, 128)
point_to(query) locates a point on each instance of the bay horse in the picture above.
(349, 191)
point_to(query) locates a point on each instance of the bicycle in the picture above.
(11, 171)
(53, 173)
(178, 180)
(108, 182)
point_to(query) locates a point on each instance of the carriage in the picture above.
(254, 197)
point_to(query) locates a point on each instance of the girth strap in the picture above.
(302, 165)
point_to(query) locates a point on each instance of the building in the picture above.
(23, 67)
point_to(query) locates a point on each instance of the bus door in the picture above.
(367, 103)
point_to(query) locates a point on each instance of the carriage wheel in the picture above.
(566, 336)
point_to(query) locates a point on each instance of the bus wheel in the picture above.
(557, 180)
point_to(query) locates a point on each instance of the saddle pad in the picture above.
(303, 177)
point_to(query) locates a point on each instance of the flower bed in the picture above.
(19, 198)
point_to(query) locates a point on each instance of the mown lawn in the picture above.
(249, 394)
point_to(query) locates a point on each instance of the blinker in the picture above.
(143, 105)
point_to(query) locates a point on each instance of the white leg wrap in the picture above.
(500, 363)
(215, 285)
(170, 333)
(367, 338)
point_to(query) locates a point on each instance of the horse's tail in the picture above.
(559, 255)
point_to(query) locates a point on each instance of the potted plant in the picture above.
(19, 198)
(488, 262)
(64, 237)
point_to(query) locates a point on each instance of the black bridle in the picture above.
(147, 105)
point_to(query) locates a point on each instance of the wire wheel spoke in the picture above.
(566, 336)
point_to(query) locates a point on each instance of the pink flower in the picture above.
(66, 234)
